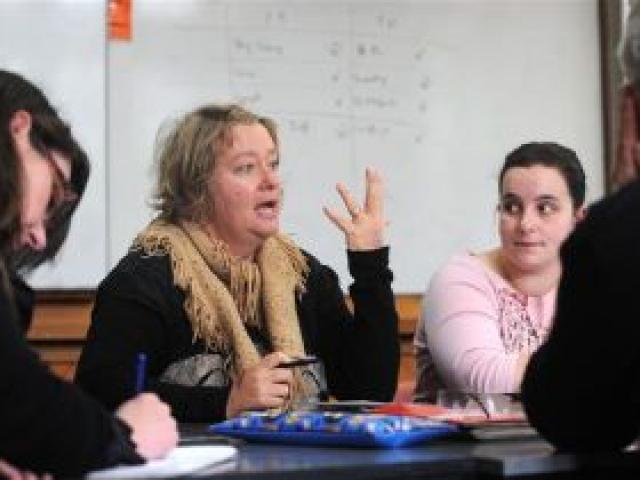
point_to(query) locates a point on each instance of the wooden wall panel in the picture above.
(58, 330)
(60, 325)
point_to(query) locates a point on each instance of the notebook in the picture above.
(180, 461)
(468, 416)
(500, 425)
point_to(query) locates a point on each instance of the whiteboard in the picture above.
(61, 47)
(432, 93)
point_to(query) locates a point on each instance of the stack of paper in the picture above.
(180, 461)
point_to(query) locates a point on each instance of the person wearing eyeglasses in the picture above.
(46, 424)
(485, 313)
(581, 390)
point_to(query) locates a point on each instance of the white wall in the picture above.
(61, 47)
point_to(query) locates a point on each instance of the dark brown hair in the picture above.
(552, 155)
(48, 132)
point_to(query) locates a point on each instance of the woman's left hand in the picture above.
(364, 228)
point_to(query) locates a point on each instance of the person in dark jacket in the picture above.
(46, 424)
(217, 297)
(581, 389)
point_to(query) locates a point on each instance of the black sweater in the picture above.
(582, 388)
(46, 424)
(138, 309)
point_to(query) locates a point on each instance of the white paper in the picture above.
(180, 461)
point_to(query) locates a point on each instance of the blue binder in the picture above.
(333, 429)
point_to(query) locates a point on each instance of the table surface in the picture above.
(453, 458)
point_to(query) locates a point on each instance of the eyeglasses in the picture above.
(63, 195)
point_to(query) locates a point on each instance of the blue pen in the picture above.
(141, 371)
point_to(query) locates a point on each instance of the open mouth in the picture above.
(268, 208)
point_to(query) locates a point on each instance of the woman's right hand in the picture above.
(262, 386)
(153, 430)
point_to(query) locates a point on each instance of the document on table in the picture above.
(180, 461)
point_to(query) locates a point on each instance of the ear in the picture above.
(20, 125)
(581, 213)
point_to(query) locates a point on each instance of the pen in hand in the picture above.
(141, 372)
(298, 362)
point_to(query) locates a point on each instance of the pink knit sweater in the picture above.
(473, 327)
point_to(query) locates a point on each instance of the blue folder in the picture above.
(333, 429)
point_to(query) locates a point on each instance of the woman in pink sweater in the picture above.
(485, 313)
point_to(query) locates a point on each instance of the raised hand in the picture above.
(364, 227)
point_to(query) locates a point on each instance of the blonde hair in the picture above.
(186, 155)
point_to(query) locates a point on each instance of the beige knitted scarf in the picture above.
(223, 293)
